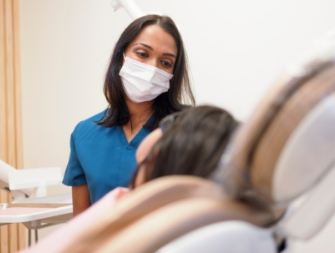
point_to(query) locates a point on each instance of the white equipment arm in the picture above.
(28, 181)
(133, 10)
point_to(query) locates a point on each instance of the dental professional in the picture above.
(146, 80)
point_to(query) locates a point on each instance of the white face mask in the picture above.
(143, 82)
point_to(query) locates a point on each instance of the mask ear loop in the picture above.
(124, 59)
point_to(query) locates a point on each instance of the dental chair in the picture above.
(273, 183)
(283, 157)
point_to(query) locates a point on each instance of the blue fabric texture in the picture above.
(101, 157)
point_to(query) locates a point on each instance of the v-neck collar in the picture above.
(134, 142)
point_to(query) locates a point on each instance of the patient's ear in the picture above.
(146, 145)
(142, 152)
(145, 168)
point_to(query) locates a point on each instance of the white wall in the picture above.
(236, 51)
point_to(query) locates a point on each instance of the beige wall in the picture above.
(236, 49)
(66, 46)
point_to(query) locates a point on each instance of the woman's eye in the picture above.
(142, 54)
(166, 64)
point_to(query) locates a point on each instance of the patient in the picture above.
(190, 142)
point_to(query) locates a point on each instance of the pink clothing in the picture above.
(57, 241)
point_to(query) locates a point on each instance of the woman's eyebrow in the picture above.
(169, 54)
(145, 45)
(149, 47)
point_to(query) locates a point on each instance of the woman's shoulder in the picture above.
(95, 118)
(91, 123)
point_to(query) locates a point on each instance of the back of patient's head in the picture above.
(192, 144)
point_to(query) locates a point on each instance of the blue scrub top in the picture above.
(101, 157)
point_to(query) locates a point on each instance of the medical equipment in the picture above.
(283, 157)
(129, 5)
(28, 182)
(286, 150)
(30, 205)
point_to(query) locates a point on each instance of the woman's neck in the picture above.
(139, 114)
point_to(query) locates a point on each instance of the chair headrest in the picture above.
(159, 211)
(288, 144)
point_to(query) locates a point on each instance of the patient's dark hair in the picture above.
(192, 144)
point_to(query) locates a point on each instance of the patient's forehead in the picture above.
(146, 145)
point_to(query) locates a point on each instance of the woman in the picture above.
(190, 142)
(146, 80)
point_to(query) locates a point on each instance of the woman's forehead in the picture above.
(155, 37)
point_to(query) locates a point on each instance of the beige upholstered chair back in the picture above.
(288, 144)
